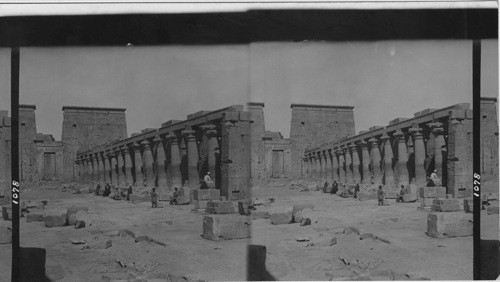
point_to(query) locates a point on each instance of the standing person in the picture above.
(107, 190)
(129, 192)
(97, 189)
(380, 196)
(325, 187)
(402, 192)
(356, 190)
(154, 198)
(335, 188)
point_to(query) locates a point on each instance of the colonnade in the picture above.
(154, 162)
(391, 159)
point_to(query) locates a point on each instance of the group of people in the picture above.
(107, 191)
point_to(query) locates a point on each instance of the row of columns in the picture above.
(150, 163)
(343, 164)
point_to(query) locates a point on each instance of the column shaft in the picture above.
(403, 178)
(356, 176)
(120, 168)
(161, 172)
(329, 172)
(129, 180)
(175, 163)
(388, 156)
(148, 164)
(335, 167)
(365, 163)
(342, 167)
(114, 175)
(192, 151)
(418, 143)
(138, 176)
(348, 165)
(378, 170)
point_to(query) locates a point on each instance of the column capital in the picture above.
(351, 146)
(110, 155)
(415, 131)
(188, 133)
(385, 137)
(438, 131)
(125, 150)
(363, 144)
(435, 124)
(398, 134)
(208, 127)
(344, 148)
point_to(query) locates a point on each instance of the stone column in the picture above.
(97, 169)
(114, 176)
(148, 164)
(366, 163)
(175, 161)
(342, 166)
(192, 152)
(335, 166)
(138, 176)
(439, 145)
(318, 166)
(312, 170)
(356, 176)
(213, 145)
(322, 167)
(378, 172)
(84, 168)
(419, 152)
(348, 162)
(161, 168)
(329, 172)
(119, 164)
(403, 178)
(91, 169)
(129, 180)
(105, 165)
(388, 156)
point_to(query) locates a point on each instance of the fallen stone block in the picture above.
(206, 194)
(302, 239)
(298, 208)
(78, 241)
(440, 225)
(349, 230)
(281, 215)
(112, 233)
(445, 205)
(31, 217)
(5, 235)
(55, 218)
(200, 204)
(219, 207)
(432, 192)
(7, 212)
(409, 198)
(308, 213)
(327, 242)
(185, 191)
(426, 202)
(492, 210)
(72, 211)
(305, 222)
(72, 218)
(468, 205)
(102, 245)
(226, 226)
(260, 214)
(143, 238)
(79, 224)
(183, 200)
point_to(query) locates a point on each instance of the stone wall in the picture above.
(85, 127)
(5, 154)
(489, 139)
(312, 125)
(257, 131)
(27, 149)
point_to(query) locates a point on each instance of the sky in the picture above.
(383, 80)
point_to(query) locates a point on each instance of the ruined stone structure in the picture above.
(85, 127)
(408, 150)
(489, 139)
(313, 125)
(5, 153)
(276, 157)
(177, 154)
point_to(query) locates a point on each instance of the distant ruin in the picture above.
(236, 148)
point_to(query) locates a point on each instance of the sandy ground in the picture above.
(178, 248)
(411, 254)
